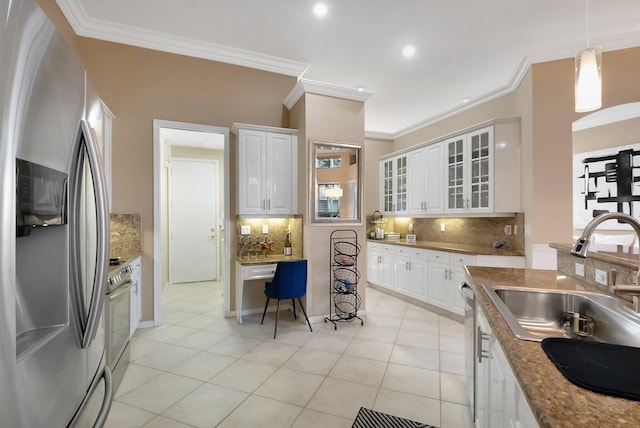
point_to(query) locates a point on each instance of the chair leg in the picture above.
(305, 314)
(265, 310)
(293, 302)
(275, 330)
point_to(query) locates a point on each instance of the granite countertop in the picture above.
(485, 250)
(272, 258)
(618, 254)
(555, 401)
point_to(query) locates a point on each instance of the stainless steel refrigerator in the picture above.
(53, 232)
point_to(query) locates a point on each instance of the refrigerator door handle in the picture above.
(89, 320)
(102, 219)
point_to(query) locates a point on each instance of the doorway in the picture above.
(182, 140)
(193, 218)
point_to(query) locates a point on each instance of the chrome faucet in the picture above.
(582, 244)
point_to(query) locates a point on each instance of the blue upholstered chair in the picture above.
(289, 282)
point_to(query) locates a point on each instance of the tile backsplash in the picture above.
(479, 231)
(126, 233)
(276, 235)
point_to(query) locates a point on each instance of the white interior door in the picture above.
(193, 187)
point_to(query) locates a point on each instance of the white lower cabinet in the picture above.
(431, 276)
(500, 401)
(446, 272)
(381, 264)
(136, 295)
(411, 271)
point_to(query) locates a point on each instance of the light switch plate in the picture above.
(265, 228)
(601, 277)
(580, 269)
(245, 230)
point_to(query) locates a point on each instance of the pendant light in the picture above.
(588, 77)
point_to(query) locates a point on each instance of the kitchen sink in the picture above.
(538, 314)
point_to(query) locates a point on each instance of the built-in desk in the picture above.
(251, 270)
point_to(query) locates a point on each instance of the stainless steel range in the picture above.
(118, 320)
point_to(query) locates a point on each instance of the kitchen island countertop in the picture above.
(555, 401)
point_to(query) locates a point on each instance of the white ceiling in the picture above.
(464, 48)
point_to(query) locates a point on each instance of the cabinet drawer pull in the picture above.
(480, 337)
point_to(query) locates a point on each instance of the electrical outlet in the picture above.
(515, 229)
(601, 277)
(265, 228)
(507, 229)
(442, 227)
(580, 269)
(245, 230)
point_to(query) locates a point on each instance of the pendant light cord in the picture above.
(587, 21)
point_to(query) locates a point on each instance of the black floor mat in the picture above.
(368, 418)
(600, 367)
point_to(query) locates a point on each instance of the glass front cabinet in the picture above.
(470, 172)
(393, 173)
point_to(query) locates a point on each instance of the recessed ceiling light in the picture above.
(320, 9)
(408, 51)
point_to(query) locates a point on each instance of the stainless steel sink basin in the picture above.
(537, 314)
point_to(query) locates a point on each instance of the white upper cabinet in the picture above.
(417, 181)
(477, 172)
(469, 166)
(393, 185)
(435, 179)
(267, 170)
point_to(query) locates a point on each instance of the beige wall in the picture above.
(331, 119)
(550, 213)
(140, 85)
(374, 149)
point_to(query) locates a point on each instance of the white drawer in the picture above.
(374, 246)
(420, 253)
(462, 259)
(390, 249)
(258, 271)
(438, 256)
(404, 251)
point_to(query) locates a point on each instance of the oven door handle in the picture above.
(121, 290)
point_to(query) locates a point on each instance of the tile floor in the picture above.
(199, 369)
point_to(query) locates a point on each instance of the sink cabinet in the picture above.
(500, 402)
(267, 170)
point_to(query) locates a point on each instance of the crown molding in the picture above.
(510, 87)
(85, 26)
(321, 88)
